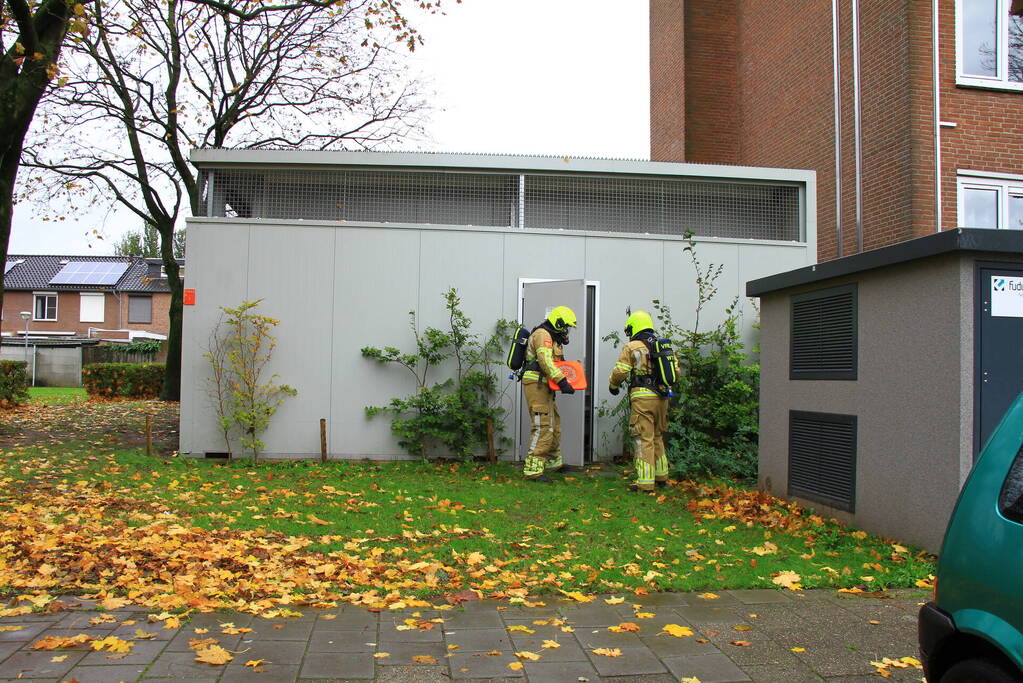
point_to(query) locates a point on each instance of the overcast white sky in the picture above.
(559, 77)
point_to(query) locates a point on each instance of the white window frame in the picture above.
(83, 296)
(1001, 79)
(56, 304)
(1005, 184)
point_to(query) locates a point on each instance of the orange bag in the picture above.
(574, 373)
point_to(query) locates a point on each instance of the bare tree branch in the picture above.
(152, 79)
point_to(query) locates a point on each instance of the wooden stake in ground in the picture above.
(491, 453)
(323, 440)
(149, 434)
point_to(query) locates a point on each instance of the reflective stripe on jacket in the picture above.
(634, 357)
(544, 350)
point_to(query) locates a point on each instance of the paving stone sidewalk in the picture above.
(839, 635)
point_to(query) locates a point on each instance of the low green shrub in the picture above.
(13, 383)
(123, 380)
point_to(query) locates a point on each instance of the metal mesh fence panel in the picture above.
(618, 204)
(374, 196)
(663, 206)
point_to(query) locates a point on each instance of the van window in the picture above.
(1010, 501)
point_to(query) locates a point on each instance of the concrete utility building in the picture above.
(884, 373)
(340, 246)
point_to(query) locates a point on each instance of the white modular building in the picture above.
(341, 246)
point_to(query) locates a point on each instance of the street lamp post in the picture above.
(25, 315)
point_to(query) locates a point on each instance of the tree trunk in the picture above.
(22, 85)
(172, 374)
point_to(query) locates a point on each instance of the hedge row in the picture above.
(13, 383)
(127, 380)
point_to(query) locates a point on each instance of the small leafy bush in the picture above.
(13, 383)
(244, 396)
(713, 426)
(451, 415)
(123, 380)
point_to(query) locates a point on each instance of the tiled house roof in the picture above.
(35, 272)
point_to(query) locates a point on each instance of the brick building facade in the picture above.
(136, 297)
(753, 82)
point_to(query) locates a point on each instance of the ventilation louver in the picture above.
(824, 334)
(822, 458)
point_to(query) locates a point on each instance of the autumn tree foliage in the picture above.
(146, 81)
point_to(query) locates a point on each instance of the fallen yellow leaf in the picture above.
(58, 658)
(515, 666)
(608, 652)
(614, 601)
(788, 579)
(579, 597)
(521, 629)
(381, 655)
(424, 659)
(547, 644)
(623, 627)
(677, 631)
(61, 643)
(214, 654)
(708, 596)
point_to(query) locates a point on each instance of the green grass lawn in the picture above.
(51, 396)
(585, 532)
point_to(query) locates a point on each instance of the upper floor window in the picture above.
(989, 44)
(45, 306)
(986, 202)
(140, 309)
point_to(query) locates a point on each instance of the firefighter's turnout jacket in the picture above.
(544, 422)
(649, 417)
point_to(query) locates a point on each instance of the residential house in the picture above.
(110, 297)
(910, 113)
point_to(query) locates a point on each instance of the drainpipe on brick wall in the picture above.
(937, 116)
(118, 297)
(836, 54)
(858, 133)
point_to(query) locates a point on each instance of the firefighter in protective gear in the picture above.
(649, 402)
(545, 347)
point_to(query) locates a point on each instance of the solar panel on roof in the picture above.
(90, 273)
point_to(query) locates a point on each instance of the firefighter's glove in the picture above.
(614, 390)
(565, 387)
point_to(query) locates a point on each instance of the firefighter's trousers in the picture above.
(647, 424)
(544, 448)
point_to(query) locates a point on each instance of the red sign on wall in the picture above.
(189, 297)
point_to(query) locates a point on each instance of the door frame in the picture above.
(593, 351)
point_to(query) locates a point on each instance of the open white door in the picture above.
(538, 298)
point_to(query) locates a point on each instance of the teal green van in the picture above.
(973, 629)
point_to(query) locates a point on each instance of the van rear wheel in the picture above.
(972, 670)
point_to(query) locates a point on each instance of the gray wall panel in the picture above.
(293, 273)
(630, 274)
(376, 284)
(375, 276)
(218, 267)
